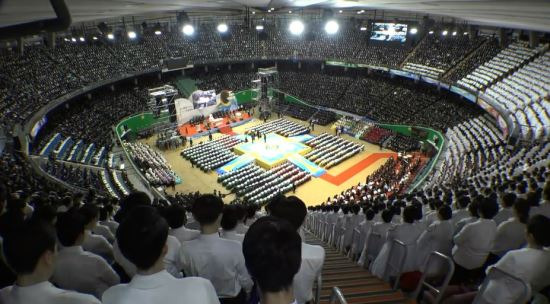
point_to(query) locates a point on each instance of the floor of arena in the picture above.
(336, 179)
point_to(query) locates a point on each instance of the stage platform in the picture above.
(199, 130)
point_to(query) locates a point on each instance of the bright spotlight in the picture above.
(296, 27)
(331, 27)
(454, 33)
(340, 11)
(253, 13)
(444, 33)
(82, 39)
(363, 28)
(290, 12)
(431, 32)
(414, 31)
(158, 33)
(66, 39)
(188, 29)
(465, 33)
(94, 38)
(110, 36)
(259, 27)
(73, 39)
(132, 35)
(222, 28)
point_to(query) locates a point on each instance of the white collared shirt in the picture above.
(99, 245)
(510, 235)
(171, 259)
(121, 260)
(112, 225)
(313, 257)
(183, 234)
(82, 271)
(161, 287)
(503, 215)
(459, 215)
(232, 235)
(473, 243)
(219, 260)
(43, 293)
(543, 209)
(105, 232)
(241, 228)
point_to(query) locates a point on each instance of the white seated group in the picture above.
(330, 150)
(280, 126)
(156, 168)
(423, 70)
(213, 154)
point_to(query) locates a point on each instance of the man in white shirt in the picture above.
(437, 237)
(544, 207)
(530, 264)
(241, 227)
(105, 218)
(272, 250)
(461, 211)
(511, 233)
(93, 242)
(142, 239)
(294, 211)
(94, 275)
(474, 242)
(219, 260)
(507, 201)
(30, 251)
(177, 218)
(229, 221)
(473, 209)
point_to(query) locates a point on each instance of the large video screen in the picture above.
(389, 32)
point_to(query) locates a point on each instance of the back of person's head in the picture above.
(230, 217)
(387, 215)
(488, 208)
(291, 209)
(355, 209)
(27, 244)
(369, 214)
(409, 214)
(70, 225)
(508, 199)
(142, 236)
(207, 209)
(538, 227)
(90, 213)
(445, 212)
(521, 209)
(336, 208)
(463, 202)
(175, 216)
(241, 212)
(45, 213)
(272, 251)
(133, 200)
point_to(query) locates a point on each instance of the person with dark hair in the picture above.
(94, 275)
(30, 251)
(365, 227)
(474, 242)
(530, 264)
(95, 243)
(474, 215)
(177, 218)
(241, 214)
(229, 221)
(407, 233)
(437, 237)
(135, 199)
(45, 213)
(219, 260)
(511, 233)
(106, 218)
(142, 238)
(293, 210)
(544, 207)
(506, 212)
(272, 251)
(460, 211)
(351, 223)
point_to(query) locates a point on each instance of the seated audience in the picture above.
(95, 243)
(230, 218)
(176, 217)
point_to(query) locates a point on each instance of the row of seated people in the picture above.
(148, 243)
(330, 150)
(439, 53)
(211, 155)
(324, 117)
(280, 126)
(299, 111)
(423, 70)
(74, 175)
(152, 163)
(401, 143)
(110, 186)
(466, 225)
(483, 54)
(376, 135)
(507, 60)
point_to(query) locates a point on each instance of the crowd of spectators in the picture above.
(484, 53)
(74, 175)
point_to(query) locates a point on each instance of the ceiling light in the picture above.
(296, 27)
(110, 36)
(363, 28)
(340, 11)
(331, 27)
(66, 39)
(82, 39)
(253, 13)
(73, 39)
(259, 27)
(454, 33)
(222, 27)
(414, 31)
(290, 12)
(444, 33)
(188, 29)
(272, 8)
(158, 32)
(94, 38)
(431, 32)
(132, 35)
(465, 33)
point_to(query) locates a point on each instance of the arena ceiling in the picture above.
(523, 14)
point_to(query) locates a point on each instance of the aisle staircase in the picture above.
(357, 284)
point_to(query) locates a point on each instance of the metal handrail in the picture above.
(318, 288)
(494, 271)
(448, 275)
(337, 295)
(371, 254)
(400, 264)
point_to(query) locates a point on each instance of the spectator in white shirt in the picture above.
(94, 275)
(473, 209)
(142, 237)
(241, 227)
(177, 218)
(93, 242)
(544, 207)
(474, 242)
(229, 221)
(272, 250)
(511, 233)
(437, 237)
(461, 211)
(294, 211)
(530, 264)
(30, 252)
(505, 212)
(365, 228)
(105, 218)
(219, 260)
